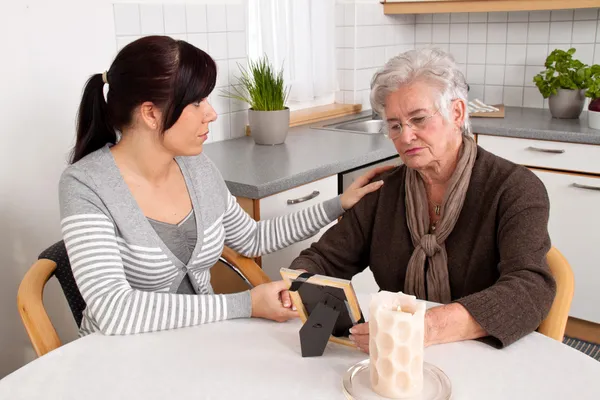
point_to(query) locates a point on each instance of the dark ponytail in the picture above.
(169, 73)
(93, 127)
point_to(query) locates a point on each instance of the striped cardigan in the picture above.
(128, 277)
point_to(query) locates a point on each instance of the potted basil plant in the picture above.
(564, 82)
(593, 92)
(265, 91)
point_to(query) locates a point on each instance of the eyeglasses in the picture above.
(416, 123)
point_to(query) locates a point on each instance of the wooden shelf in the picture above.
(321, 113)
(452, 6)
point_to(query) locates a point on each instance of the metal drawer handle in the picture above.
(588, 187)
(553, 151)
(305, 198)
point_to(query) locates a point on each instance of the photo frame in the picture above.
(327, 306)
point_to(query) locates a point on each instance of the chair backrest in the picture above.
(556, 321)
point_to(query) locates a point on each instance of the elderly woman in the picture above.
(455, 224)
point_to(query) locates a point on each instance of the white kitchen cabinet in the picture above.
(277, 205)
(574, 198)
(574, 230)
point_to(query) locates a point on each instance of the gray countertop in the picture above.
(311, 153)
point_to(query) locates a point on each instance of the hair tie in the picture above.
(104, 77)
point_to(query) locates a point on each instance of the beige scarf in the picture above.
(430, 248)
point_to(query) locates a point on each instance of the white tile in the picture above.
(562, 15)
(178, 36)
(236, 18)
(405, 33)
(518, 16)
(459, 52)
(151, 16)
(475, 74)
(459, 33)
(598, 35)
(477, 33)
(365, 36)
(516, 54)
(350, 14)
(539, 16)
(339, 99)
(496, 54)
(560, 32)
(584, 32)
(347, 80)
(405, 18)
(477, 17)
(222, 73)
(378, 35)
(597, 54)
(174, 18)
(497, 16)
(219, 102)
(423, 33)
(514, 75)
(349, 97)
(339, 59)
(513, 96)
(127, 19)
(463, 70)
(239, 120)
(536, 54)
(493, 95)
(219, 129)
(217, 45)
(476, 53)
(235, 104)
(564, 47)
(216, 17)
(441, 33)
(339, 15)
(459, 17)
(200, 40)
(547, 104)
(391, 51)
(236, 44)
(517, 33)
(586, 14)
(442, 46)
(363, 15)
(427, 18)
(349, 37)
(494, 74)
(476, 92)
(195, 15)
(363, 79)
(390, 35)
(585, 53)
(442, 18)
(234, 68)
(538, 32)
(532, 98)
(365, 99)
(123, 41)
(530, 72)
(339, 37)
(496, 33)
(348, 58)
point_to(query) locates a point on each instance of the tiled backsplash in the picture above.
(218, 29)
(498, 52)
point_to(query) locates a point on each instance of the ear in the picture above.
(150, 115)
(458, 113)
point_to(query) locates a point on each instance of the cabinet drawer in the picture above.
(544, 154)
(277, 205)
(573, 228)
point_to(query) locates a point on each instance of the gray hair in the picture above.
(431, 65)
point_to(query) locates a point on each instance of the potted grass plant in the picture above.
(593, 92)
(564, 82)
(265, 91)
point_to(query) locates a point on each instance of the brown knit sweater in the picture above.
(496, 252)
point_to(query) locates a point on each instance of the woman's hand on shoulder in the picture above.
(361, 187)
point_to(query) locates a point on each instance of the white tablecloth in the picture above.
(259, 359)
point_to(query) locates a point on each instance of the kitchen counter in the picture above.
(311, 153)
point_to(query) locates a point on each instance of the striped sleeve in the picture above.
(114, 307)
(252, 239)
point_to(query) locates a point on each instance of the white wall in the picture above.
(48, 52)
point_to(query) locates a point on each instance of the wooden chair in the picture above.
(233, 273)
(556, 321)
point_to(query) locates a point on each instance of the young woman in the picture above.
(145, 214)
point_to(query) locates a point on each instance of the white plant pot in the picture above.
(594, 119)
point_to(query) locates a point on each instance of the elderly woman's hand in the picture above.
(359, 334)
(361, 186)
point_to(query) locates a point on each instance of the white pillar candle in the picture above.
(396, 334)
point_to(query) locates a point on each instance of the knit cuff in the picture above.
(493, 317)
(239, 305)
(333, 208)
